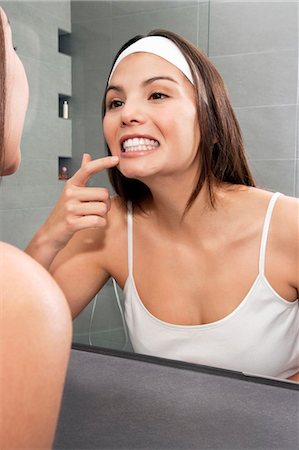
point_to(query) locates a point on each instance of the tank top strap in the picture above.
(266, 231)
(130, 236)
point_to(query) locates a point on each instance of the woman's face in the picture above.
(151, 118)
(17, 94)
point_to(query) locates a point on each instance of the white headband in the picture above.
(159, 46)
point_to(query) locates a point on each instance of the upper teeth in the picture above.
(139, 141)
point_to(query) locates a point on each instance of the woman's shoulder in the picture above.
(286, 220)
(284, 230)
(257, 197)
(285, 209)
(21, 273)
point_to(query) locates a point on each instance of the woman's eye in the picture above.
(158, 96)
(114, 104)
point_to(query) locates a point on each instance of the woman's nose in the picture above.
(132, 114)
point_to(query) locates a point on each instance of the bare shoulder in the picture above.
(22, 276)
(252, 203)
(286, 221)
(287, 209)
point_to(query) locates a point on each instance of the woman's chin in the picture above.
(137, 171)
(11, 167)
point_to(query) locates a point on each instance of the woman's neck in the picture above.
(169, 201)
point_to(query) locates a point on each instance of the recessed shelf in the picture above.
(64, 42)
(64, 168)
(64, 106)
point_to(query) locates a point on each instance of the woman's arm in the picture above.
(79, 268)
(34, 350)
(294, 377)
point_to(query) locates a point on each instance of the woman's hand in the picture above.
(79, 207)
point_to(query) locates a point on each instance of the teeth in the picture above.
(140, 142)
(138, 148)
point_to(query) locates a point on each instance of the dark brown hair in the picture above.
(221, 150)
(2, 94)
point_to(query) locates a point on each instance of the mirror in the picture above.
(67, 48)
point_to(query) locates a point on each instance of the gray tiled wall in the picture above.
(26, 197)
(255, 47)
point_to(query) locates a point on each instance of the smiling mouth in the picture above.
(139, 145)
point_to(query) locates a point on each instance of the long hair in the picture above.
(221, 150)
(2, 94)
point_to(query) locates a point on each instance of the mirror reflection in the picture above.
(194, 258)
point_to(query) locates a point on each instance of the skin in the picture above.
(17, 95)
(35, 322)
(220, 244)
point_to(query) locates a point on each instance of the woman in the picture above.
(35, 326)
(207, 263)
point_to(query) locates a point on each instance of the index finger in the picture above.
(82, 176)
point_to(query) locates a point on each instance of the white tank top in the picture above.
(261, 336)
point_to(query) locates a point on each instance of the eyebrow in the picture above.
(143, 84)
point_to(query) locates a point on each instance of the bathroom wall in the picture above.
(27, 197)
(254, 45)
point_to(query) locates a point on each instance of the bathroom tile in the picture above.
(106, 328)
(181, 20)
(120, 8)
(274, 175)
(94, 140)
(256, 1)
(269, 132)
(297, 121)
(59, 9)
(258, 26)
(46, 81)
(62, 74)
(87, 137)
(35, 34)
(33, 41)
(106, 314)
(35, 173)
(91, 43)
(19, 225)
(88, 86)
(36, 141)
(21, 197)
(82, 321)
(100, 323)
(85, 11)
(203, 27)
(260, 79)
(111, 338)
